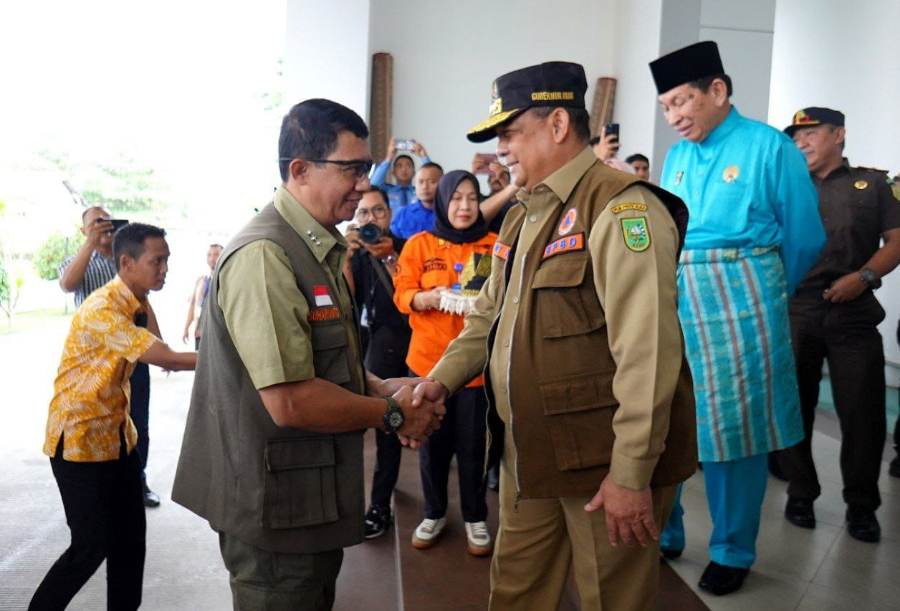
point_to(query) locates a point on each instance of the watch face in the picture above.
(396, 420)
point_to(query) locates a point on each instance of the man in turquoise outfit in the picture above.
(754, 232)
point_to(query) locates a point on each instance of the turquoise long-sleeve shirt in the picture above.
(747, 185)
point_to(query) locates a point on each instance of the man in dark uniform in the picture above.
(372, 265)
(834, 316)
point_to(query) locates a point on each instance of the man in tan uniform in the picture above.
(585, 363)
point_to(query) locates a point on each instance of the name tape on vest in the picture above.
(323, 314)
(570, 243)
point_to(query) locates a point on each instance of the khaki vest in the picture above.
(561, 370)
(281, 489)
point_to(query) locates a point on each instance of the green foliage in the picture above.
(9, 290)
(50, 255)
(123, 187)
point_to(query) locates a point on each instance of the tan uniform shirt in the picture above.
(638, 294)
(265, 312)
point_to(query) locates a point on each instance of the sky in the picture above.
(177, 85)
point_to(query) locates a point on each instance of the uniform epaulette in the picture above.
(859, 167)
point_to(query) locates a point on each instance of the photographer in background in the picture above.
(502, 194)
(399, 160)
(371, 268)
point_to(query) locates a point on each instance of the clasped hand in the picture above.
(423, 409)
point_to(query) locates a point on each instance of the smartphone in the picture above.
(611, 128)
(483, 161)
(118, 224)
(405, 145)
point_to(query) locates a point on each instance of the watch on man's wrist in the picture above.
(393, 418)
(870, 278)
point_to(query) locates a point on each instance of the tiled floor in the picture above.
(822, 569)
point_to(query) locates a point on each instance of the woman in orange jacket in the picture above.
(449, 261)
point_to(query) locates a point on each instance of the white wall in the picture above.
(845, 56)
(327, 52)
(447, 55)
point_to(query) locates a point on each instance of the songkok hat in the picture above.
(814, 115)
(686, 65)
(548, 84)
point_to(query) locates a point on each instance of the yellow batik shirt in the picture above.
(91, 392)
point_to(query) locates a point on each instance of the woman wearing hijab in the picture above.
(449, 261)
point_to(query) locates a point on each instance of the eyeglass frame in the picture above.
(384, 211)
(368, 164)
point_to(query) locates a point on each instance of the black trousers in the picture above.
(140, 411)
(104, 509)
(386, 358)
(845, 335)
(462, 433)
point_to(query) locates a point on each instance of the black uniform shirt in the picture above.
(372, 293)
(857, 205)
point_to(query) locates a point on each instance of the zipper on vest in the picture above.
(512, 429)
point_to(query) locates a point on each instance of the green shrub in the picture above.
(53, 251)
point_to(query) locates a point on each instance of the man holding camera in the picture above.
(373, 255)
(83, 273)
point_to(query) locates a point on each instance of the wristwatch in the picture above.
(393, 416)
(870, 278)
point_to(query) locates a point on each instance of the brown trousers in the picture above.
(539, 539)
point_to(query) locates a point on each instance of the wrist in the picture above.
(393, 418)
(870, 278)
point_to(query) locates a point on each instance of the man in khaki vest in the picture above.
(272, 449)
(585, 364)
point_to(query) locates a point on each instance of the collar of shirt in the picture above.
(121, 296)
(319, 240)
(723, 129)
(844, 168)
(561, 182)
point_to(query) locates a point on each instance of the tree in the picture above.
(9, 290)
(53, 251)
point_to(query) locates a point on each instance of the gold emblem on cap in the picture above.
(731, 173)
(678, 177)
(861, 184)
(496, 107)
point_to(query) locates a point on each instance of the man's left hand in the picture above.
(845, 288)
(382, 248)
(629, 513)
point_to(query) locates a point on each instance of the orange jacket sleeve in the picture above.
(409, 272)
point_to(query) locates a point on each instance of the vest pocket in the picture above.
(560, 306)
(300, 487)
(578, 414)
(329, 343)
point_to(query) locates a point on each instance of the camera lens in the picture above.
(370, 233)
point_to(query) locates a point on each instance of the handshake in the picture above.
(422, 403)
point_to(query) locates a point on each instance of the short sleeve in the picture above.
(266, 314)
(889, 205)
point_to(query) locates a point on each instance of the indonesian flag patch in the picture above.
(320, 291)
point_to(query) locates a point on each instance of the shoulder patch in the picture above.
(636, 232)
(629, 206)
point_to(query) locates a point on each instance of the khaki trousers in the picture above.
(539, 539)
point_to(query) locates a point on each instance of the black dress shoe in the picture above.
(151, 499)
(719, 579)
(894, 468)
(863, 526)
(799, 512)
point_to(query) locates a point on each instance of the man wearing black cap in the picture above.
(835, 315)
(585, 364)
(754, 233)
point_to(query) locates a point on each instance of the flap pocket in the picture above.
(300, 483)
(330, 355)
(578, 413)
(561, 271)
(327, 335)
(300, 453)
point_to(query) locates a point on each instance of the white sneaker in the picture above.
(427, 533)
(479, 539)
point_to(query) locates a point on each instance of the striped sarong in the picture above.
(733, 306)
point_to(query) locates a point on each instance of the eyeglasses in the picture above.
(379, 212)
(358, 168)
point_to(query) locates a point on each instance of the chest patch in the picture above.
(570, 243)
(860, 185)
(435, 264)
(629, 206)
(731, 173)
(323, 297)
(501, 250)
(323, 314)
(636, 233)
(567, 222)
